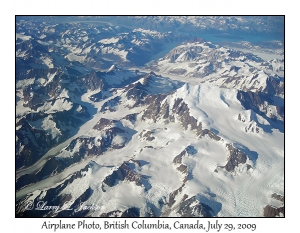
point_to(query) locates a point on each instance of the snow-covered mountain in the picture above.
(93, 45)
(275, 47)
(239, 25)
(201, 134)
(224, 67)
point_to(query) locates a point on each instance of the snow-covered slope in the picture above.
(52, 45)
(227, 25)
(186, 146)
(223, 67)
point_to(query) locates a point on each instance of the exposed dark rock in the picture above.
(209, 133)
(100, 96)
(155, 111)
(152, 73)
(115, 127)
(137, 162)
(147, 135)
(252, 100)
(280, 110)
(65, 198)
(274, 86)
(190, 150)
(131, 117)
(278, 197)
(35, 98)
(271, 211)
(31, 144)
(111, 214)
(88, 145)
(178, 158)
(80, 212)
(37, 72)
(123, 173)
(138, 93)
(252, 127)
(150, 213)
(163, 201)
(111, 105)
(182, 168)
(181, 109)
(154, 108)
(260, 103)
(234, 68)
(90, 81)
(132, 212)
(235, 158)
(83, 112)
(174, 194)
(103, 122)
(193, 208)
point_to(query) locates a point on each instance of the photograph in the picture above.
(149, 116)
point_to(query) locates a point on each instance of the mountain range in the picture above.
(108, 130)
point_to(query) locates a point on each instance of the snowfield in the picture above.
(241, 193)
